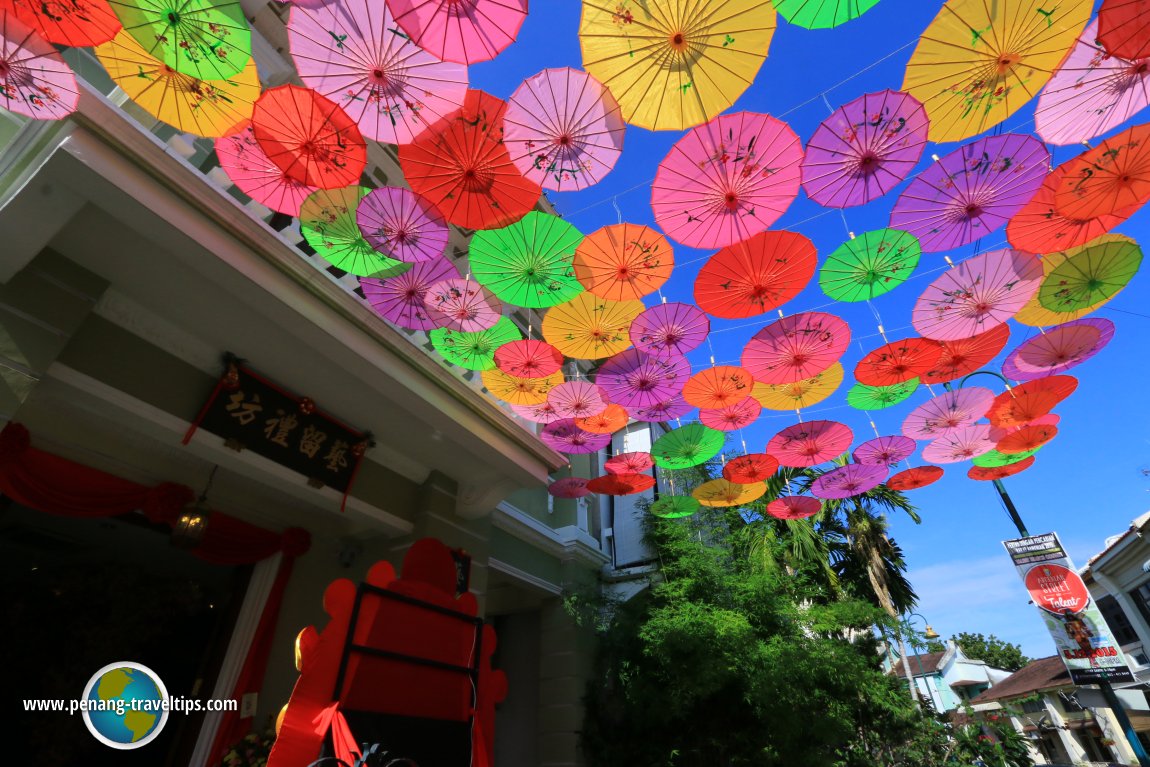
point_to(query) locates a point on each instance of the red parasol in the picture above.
(1031, 400)
(884, 451)
(629, 463)
(718, 387)
(1038, 228)
(1124, 28)
(78, 23)
(635, 380)
(732, 417)
(750, 468)
(578, 399)
(569, 487)
(309, 137)
(898, 361)
(989, 473)
(960, 445)
(794, 507)
(796, 347)
(611, 420)
(912, 479)
(755, 275)
(621, 484)
(1025, 438)
(962, 356)
(810, 443)
(947, 412)
(976, 295)
(1058, 349)
(528, 358)
(1111, 177)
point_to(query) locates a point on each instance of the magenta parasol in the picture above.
(629, 463)
(637, 380)
(528, 358)
(978, 294)
(569, 487)
(673, 407)
(462, 304)
(1058, 349)
(672, 328)
(578, 399)
(884, 451)
(864, 149)
(810, 443)
(732, 417)
(400, 299)
(255, 175)
(34, 80)
(565, 436)
(948, 412)
(544, 412)
(796, 347)
(972, 191)
(727, 180)
(399, 223)
(464, 31)
(794, 507)
(846, 481)
(960, 445)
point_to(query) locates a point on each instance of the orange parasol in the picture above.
(589, 328)
(1031, 400)
(1028, 437)
(722, 493)
(623, 262)
(755, 275)
(963, 356)
(609, 421)
(718, 387)
(1113, 176)
(898, 361)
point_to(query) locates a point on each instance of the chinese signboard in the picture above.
(252, 413)
(1073, 619)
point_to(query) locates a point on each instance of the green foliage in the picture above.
(998, 653)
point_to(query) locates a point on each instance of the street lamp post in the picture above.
(929, 633)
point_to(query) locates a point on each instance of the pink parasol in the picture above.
(673, 407)
(846, 481)
(810, 443)
(565, 436)
(978, 294)
(948, 412)
(528, 358)
(34, 80)
(464, 31)
(255, 175)
(402, 225)
(884, 451)
(629, 463)
(673, 328)
(1092, 92)
(578, 399)
(732, 417)
(727, 180)
(796, 347)
(563, 129)
(569, 487)
(637, 380)
(351, 52)
(960, 445)
(543, 413)
(1058, 349)
(462, 304)
(400, 299)
(864, 149)
(972, 191)
(794, 507)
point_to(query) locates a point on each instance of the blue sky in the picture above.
(1086, 485)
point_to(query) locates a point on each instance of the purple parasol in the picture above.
(578, 399)
(948, 412)
(960, 445)
(399, 223)
(979, 294)
(972, 191)
(732, 417)
(864, 149)
(565, 436)
(637, 380)
(673, 328)
(674, 407)
(849, 480)
(462, 304)
(400, 299)
(1058, 349)
(884, 451)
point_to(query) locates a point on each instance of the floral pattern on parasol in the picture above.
(669, 329)
(718, 387)
(463, 31)
(569, 487)
(800, 394)
(756, 275)
(255, 175)
(578, 399)
(963, 356)
(528, 263)
(978, 294)
(638, 380)
(1031, 400)
(589, 328)
(898, 361)
(869, 266)
(565, 436)
(528, 358)
(687, 446)
(401, 224)
(847, 481)
(400, 299)
(750, 468)
(914, 478)
(960, 445)
(884, 451)
(796, 347)
(722, 493)
(34, 80)
(1058, 349)
(629, 463)
(947, 413)
(794, 507)
(309, 137)
(623, 262)
(462, 304)
(732, 417)
(810, 443)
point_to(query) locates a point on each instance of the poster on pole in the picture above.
(1080, 633)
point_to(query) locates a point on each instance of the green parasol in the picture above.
(687, 446)
(868, 266)
(327, 222)
(1091, 274)
(528, 263)
(994, 458)
(204, 39)
(675, 506)
(474, 351)
(863, 397)
(822, 14)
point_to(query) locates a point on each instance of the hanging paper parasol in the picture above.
(755, 276)
(629, 463)
(637, 380)
(687, 446)
(309, 137)
(462, 167)
(528, 358)
(897, 362)
(590, 328)
(675, 407)
(1111, 177)
(1058, 349)
(578, 399)
(673, 64)
(1091, 275)
(976, 295)
(810, 443)
(994, 459)
(569, 487)
(794, 507)
(327, 222)
(962, 356)
(869, 266)
(623, 262)
(847, 481)
(948, 413)
(401, 224)
(544, 413)
(519, 391)
(800, 394)
(34, 80)
(972, 191)
(621, 484)
(1092, 93)
(796, 347)
(244, 161)
(77, 23)
(718, 387)
(862, 397)
(674, 506)
(613, 418)
(732, 417)
(669, 329)
(722, 493)
(529, 262)
(400, 299)
(986, 474)
(884, 451)
(727, 180)
(563, 129)
(465, 32)
(1124, 28)
(206, 39)
(750, 468)
(1026, 439)
(462, 304)
(913, 479)
(960, 445)
(864, 149)
(476, 350)
(1035, 314)
(565, 436)
(1039, 228)
(822, 14)
(977, 63)
(1031, 400)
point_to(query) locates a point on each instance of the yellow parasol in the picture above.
(589, 328)
(980, 60)
(804, 393)
(210, 108)
(721, 493)
(674, 64)
(520, 391)
(1036, 315)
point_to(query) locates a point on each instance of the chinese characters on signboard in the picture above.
(1084, 641)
